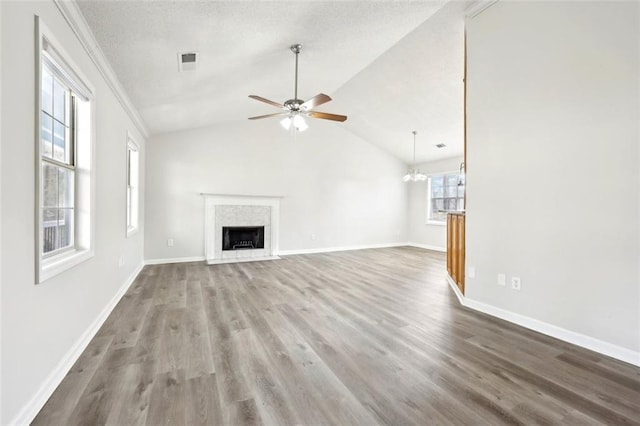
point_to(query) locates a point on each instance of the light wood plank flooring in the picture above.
(349, 338)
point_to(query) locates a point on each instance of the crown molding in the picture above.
(71, 13)
(476, 7)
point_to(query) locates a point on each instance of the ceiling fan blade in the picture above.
(266, 101)
(318, 99)
(277, 114)
(327, 116)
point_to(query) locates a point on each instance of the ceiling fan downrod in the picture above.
(295, 103)
(295, 48)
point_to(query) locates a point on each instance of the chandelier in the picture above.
(414, 174)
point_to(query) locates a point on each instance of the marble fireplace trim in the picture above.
(212, 235)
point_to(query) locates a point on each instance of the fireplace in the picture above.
(242, 237)
(245, 214)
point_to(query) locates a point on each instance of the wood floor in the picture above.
(349, 338)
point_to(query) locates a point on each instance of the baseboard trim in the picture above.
(428, 247)
(343, 248)
(456, 290)
(174, 260)
(578, 339)
(30, 410)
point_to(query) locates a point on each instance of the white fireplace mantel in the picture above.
(211, 241)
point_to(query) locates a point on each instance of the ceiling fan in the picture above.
(294, 110)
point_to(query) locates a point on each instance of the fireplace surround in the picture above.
(242, 212)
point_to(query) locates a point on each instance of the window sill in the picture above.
(56, 265)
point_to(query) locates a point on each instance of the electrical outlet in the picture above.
(515, 283)
(120, 261)
(170, 242)
(502, 280)
(471, 272)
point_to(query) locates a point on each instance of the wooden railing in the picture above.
(455, 248)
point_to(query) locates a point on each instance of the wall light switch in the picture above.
(170, 242)
(502, 279)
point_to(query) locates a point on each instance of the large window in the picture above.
(64, 157)
(58, 161)
(445, 193)
(133, 167)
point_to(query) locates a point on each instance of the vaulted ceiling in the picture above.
(391, 66)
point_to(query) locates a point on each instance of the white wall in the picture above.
(553, 185)
(42, 323)
(430, 235)
(335, 185)
(1, 285)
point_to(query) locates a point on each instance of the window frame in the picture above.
(429, 212)
(67, 165)
(132, 227)
(50, 53)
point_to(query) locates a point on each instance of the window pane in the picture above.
(49, 185)
(65, 187)
(437, 181)
(451, 191)
(128, 206)
(46, 135)
(133, 168)
(437, 192)
(59, 101)
(461, 191)
(452, 203)
(57, 229)
(57, 186)
(47, 91)
(437, 204)
(50, 230)
(65, 227)
(59, 141)
(452, 180)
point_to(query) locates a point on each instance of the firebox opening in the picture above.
(242, 237)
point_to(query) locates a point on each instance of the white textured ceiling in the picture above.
(390, 66)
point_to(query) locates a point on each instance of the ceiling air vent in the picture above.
(440, 145)
(187, 61)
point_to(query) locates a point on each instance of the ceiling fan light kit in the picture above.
(297, 120)
(414, 174)
(294, 110)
